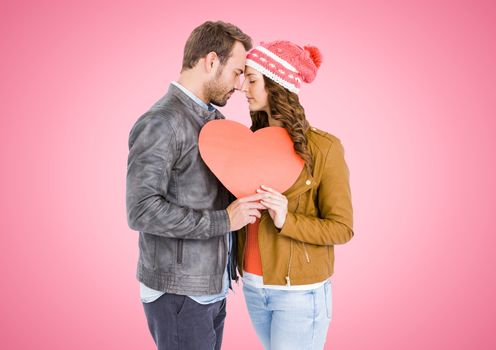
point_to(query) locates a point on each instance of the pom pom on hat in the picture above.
(315, 55)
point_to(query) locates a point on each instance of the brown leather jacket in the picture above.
(319, 216)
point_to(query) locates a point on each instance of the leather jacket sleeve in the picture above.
(152, 152)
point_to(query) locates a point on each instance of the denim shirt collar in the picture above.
(198, 101)
(193, 102)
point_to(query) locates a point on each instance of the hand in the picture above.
(276, 204)
(244, 211)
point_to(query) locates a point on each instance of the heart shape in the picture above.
(243, 160)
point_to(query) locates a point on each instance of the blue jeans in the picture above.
(290, 319)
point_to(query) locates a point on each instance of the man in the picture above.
(177, 204)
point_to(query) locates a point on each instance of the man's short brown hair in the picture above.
(218, 37)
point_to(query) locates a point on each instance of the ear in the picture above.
(211, 62)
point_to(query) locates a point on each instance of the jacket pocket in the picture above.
(307, 257)
(180, 301)
(179, 251)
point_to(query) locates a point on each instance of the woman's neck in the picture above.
(272, 121)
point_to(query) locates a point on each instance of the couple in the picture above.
(193, 234)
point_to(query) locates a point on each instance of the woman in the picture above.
(286, 257)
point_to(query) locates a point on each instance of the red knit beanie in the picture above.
(285, 63)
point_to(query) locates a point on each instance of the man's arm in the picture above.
(152, 153)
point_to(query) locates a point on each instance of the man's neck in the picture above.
(193, 85)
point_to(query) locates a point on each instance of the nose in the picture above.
(237, 83)
(244, 86)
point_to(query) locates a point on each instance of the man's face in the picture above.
(227, 78)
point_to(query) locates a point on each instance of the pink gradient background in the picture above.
(409, 87)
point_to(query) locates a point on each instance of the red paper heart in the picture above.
(243, 160)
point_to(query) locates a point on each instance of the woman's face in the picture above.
(254, 89)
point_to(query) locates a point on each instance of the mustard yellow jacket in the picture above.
(319, 216)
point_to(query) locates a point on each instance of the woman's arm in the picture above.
(335, 226)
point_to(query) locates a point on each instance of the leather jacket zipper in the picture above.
(179, 251)
(244, 248)
(223, 250)
(233, 258)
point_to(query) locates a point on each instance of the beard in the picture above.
(216, 91)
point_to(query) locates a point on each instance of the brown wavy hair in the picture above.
(285, 107)
(219, 37)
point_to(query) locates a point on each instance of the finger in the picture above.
(271, 206)
(260, 190)
(269, 189)
(263, 192)
(265, 207)
(273, 201)
(253, 205)
(280, 199)
(251, 198)
(272, 194)
(254, 213)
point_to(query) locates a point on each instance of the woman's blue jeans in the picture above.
(290, 319)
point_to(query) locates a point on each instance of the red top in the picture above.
(252, 262)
